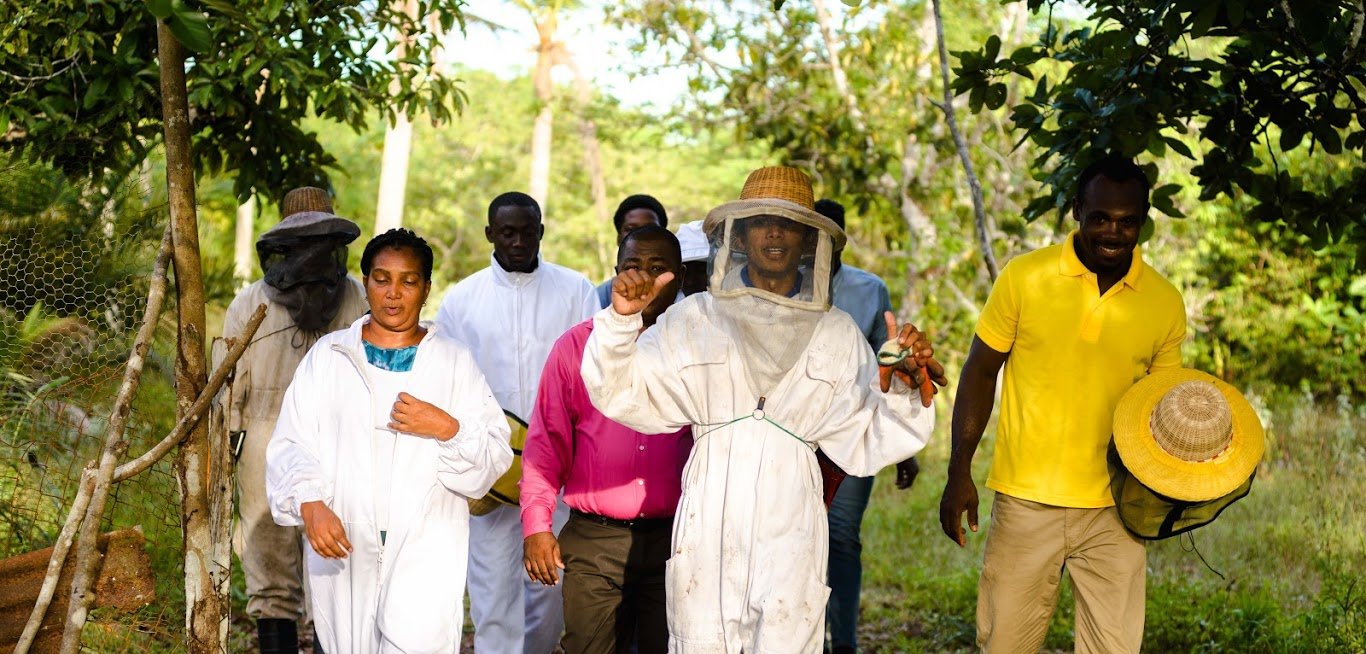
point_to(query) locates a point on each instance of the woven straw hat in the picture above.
(305, 198)
(776, 191)
(1187, 435)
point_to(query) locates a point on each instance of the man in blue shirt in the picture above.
(864, 297)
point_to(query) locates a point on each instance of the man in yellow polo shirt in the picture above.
(1074, 325)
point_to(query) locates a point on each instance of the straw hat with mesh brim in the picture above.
(1187, 435)
(313, 223)
(775, 191)
(305, 198)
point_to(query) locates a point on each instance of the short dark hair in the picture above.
(514, 199)
(652, 233)
(398, 239)
(831, 209)
(1115, 168)
(633, 202)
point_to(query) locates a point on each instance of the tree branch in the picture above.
(94, 489)
(201, 403)
(974, 186)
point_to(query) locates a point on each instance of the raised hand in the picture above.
(913, 362)
(633, 290)
(413, 416)
(324, 530)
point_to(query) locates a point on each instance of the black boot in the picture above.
(278, 636)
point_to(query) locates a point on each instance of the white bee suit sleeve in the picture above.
(637, 381)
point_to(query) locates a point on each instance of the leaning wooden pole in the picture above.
(206, 607)
(95, 484)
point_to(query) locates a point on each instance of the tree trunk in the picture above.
(542, 131)
(398, 143)
(205, 497)
(243, 250)
(393, 175)
(592, 161)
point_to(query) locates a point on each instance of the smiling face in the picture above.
(774, 245)
(396, 290)
(1110, 216)
(515, 233)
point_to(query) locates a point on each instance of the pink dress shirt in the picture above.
(605, 468)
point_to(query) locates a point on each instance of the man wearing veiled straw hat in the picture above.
(307, 294)
(764, 371)
(1074, 325)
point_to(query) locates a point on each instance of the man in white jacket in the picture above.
(764, 371)
(509, 315)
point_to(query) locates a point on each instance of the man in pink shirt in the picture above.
(621, 485)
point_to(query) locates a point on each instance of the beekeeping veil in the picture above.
(304, 261)
(770, 270)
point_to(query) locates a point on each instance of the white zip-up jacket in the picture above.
(511, 320)
(405, 595)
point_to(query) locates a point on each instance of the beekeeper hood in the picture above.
(304, 261)
(770, 271)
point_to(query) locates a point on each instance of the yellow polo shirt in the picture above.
(1073, 353)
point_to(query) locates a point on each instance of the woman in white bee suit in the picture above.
(385, 433)
(764, 371)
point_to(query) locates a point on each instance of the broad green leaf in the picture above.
(159, 8)
(191, 28)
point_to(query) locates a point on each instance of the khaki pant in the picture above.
(1028, 547)
(272, 556)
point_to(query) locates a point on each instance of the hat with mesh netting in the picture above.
(1187, 435)
(775, 191)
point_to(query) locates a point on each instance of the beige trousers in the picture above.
(272, 556)
(1028, 547)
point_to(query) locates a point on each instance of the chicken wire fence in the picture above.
(75, 266)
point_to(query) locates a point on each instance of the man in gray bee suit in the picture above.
(307, 293)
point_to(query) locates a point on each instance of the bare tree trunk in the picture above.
(542, 130)
(202, 504)
(393, 174)
(243, 252)
(824, 21)
(592, 156)
(979, 213)
(398, 143)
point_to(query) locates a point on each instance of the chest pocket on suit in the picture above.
(705, 350)
(823, 366)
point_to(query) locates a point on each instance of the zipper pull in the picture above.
(759, 410)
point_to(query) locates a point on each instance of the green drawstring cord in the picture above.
(757, 414)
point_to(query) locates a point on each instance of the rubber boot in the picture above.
(278, 636)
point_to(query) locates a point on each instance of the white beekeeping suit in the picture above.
(509, 321)
(763, 378)
(402, 592)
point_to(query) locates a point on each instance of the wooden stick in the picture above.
(201, 404)
(94, 489)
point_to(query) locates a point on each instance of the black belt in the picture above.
(637, 523)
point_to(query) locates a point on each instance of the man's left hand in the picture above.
(919, 369)
(906, 472)
(413, 416)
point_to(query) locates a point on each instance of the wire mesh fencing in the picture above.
(74, 268)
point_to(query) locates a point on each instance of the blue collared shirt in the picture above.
(864, 297)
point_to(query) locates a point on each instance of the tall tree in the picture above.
(398, 143)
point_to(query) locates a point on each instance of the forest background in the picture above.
(854, 96)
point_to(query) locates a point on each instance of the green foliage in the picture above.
(79, 87)
(1235, 81)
